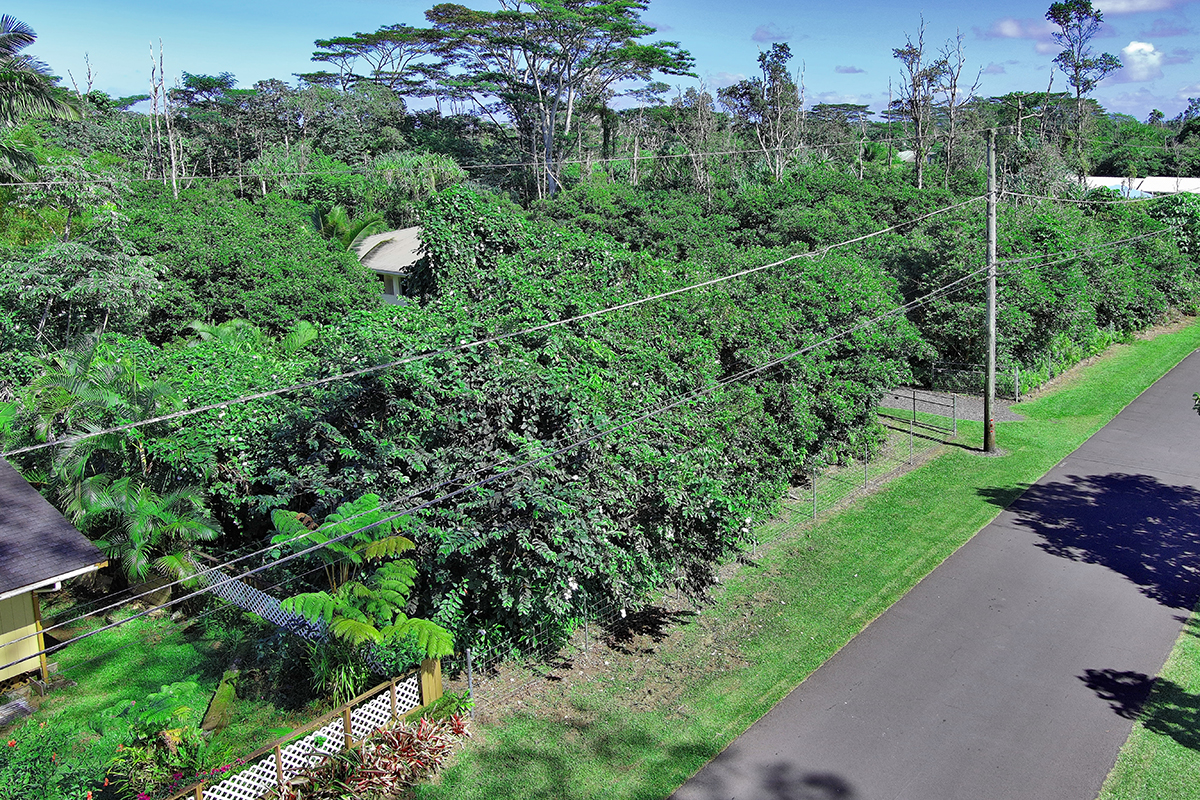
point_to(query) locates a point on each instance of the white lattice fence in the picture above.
(328, 740)
(247, 598)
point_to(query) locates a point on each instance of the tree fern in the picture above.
(390, 546)
(433, 638)
(354, 631)
(313, 606)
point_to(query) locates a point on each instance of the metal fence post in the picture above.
(470, 683)
(1016, 383)
(814, 476)
(954, 411)
(866, 474)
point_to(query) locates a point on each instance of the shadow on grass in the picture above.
(572, 760)
(652, 621)
(1161, 705)
(1136, 525)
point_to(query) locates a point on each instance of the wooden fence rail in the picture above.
(340, 729)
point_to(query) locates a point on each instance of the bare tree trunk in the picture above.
(171, 137)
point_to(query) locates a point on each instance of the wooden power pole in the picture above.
(989, 394)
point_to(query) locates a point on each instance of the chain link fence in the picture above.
(964, 378)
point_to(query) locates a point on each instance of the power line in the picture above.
(694, 395)
(248, 398)
(1076, 252)
(1070, 254)
(1113, 202)
(956, 285)
(68, 440)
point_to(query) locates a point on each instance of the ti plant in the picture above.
(369, 585)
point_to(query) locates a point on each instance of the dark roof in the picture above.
(37, 544)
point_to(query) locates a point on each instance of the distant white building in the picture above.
(392, 256)
(1144, 187)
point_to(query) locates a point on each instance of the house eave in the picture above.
(51, 581)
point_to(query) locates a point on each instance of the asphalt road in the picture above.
(1014, 669)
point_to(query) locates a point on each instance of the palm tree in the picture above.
(26, 90)
(142, 529)
(349, 233)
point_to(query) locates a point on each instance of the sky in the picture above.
(845, 47)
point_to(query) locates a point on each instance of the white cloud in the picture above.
(1013, 28)
(1142, 63)
(720, 80)
(839, 97)
(1188, 91)
(771, 33)
(1137, 104)
(994, 69)
(851, 70)
(1137, 6)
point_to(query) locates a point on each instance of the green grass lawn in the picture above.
(782, 617)
(123, 665)
(1162, 757)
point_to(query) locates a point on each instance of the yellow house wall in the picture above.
(17, 619)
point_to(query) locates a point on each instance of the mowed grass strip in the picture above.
(775, 622)
(1161, 759)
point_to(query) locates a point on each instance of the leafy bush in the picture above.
(223, 257)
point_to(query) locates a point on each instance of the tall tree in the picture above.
(921, 77)
(1077, 24)
(535, 61)
(393, 55)
(770, 105)
(955, 96)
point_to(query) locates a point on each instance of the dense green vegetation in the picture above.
(781, 616)
(202, 250)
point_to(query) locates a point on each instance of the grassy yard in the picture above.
(638, 729)
(125, 665)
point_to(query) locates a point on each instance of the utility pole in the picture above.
(989, 395)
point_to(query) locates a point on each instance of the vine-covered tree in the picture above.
(770, 105)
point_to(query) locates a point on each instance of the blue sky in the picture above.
(845, 46)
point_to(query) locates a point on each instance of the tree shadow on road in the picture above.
(1136, 525)
(1162, 705)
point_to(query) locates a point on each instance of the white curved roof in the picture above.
(392, 252)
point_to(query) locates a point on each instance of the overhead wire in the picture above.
(955, 285)
(694, 395)
(1087, 202)
(242, 399)
(819, 253)
(1069, 255)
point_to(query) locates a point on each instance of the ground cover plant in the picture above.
(801, 601)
